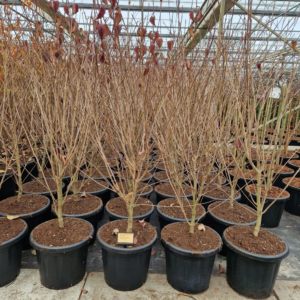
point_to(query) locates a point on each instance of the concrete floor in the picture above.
(28, 287)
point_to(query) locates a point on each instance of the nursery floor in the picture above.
(289, 231)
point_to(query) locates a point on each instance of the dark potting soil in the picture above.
(280, 169)
(239, 213)
(39, 186)
(147, 165)
(141, 189)
(126, 174)
(261, 157)
(162, 175)
(274, 192)
(248, 174)
(160, 165)
(91, 185)
(24, 159)
(172, 208)
(265, 243)
(219, 192)
(4, 169)
(166, 189)
(10, 228)
(99, 162)
(96, 173)
(214, 178)
(295, 162)
(295, 182)
(118, 206)
(28, 204)
(81, 205)
(145, 232)
(48, 173)
(289, 155)
(74, 231)
(178, 235)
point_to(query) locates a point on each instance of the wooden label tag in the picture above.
(125, 238)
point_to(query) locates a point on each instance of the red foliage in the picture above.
(152, 20)
(159, 42)
(170, 45)
(152, 49)
(101, 13)
(66, 9)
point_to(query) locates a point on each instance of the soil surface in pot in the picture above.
(214, 178)
(147, 165)
(219, 192)
(248, 174)
(160, 165)
(91, 185)
(178, 235)
(39, 186)
(10, 228)
(295, 162)
(295, 182)
(274, 192)
(127, 175)
(81, 205)
(74, 231)
(266, 243)
(280, 169)
(166, 189)
(141, 189)
(255, 156)
(48, 173)
(239, 213)
(99, 162)
(289, 155)
(96, 173)
(170, 207)
(29, 203)
(4, 169)
(144, 232)
(118, 206)
(162, 175)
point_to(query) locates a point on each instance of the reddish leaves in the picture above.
(188, 65)
(54, 5)
(170, 45)
(258, 66)
(75, 9)
(135, 240)
(198, 17)
(103, 31)
(152, 20)
(150, 35)
(66, 9)
(191, 32)
(152, 49)
(142, 32)
(238, 144)
(159, 42)
(143, 50)
(115, 231)
(153, 252)
(221, 270)
(156, 35)
(101, 13)
(294, 44)
(118, 19)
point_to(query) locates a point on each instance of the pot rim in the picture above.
(185, 252)
(262, 258)
(271, 199)
(134, 217)
(141, 195)
(61, 249)
(224, 199)
(32, 214)
(15, 239)
(124, 251)
(171, 196)
(228, 223)
(95, 192)
(168, 218)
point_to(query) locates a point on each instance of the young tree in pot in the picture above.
(252, 270)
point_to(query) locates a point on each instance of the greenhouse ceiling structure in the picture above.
(265, 22)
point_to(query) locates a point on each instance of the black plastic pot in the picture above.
(252, 275)
(287, 160)
(187, 271)
(279, 177)
(292, 206)
(220, 225)
(8, 187)
(241, 185)
(114, 217)
(207, 200)
(165, 220)
(92, 217)
(125, 269)
(161, 196)
(271, 218)
(10, 258)
(62, 267)
(29, 171)
(294, 167)
(32, 219)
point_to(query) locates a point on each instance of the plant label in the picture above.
(125, 238)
